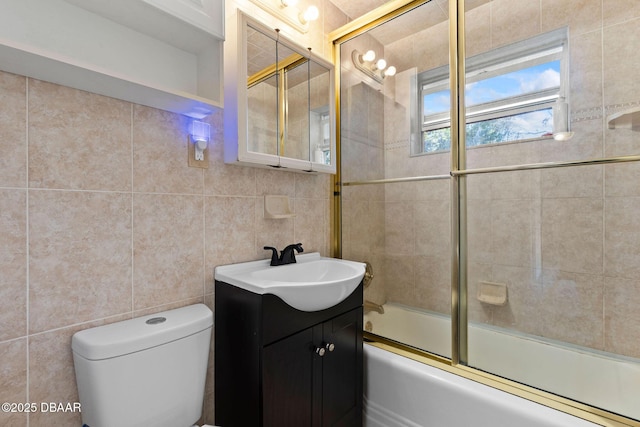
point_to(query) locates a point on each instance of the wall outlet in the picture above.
(191, 151)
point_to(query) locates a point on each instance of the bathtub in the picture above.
(402, 392)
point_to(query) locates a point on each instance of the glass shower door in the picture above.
(395, 198)
(551, 270)
(528, 232)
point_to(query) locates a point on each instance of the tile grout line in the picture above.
(204, 238)
(131, 139)
(604, 178)
(28, 282)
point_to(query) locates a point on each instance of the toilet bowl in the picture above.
(147, 371)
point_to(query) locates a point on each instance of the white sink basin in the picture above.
(313, 283)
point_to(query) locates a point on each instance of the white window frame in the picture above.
(537, 50)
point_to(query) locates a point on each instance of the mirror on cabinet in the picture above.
(279, 108)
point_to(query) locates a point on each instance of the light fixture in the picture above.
(369, 56)
(377, 70)
(561, 120)
(200, 134)
(391, 71)
(310, 14)
(286, 11)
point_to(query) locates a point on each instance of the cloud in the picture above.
(547, 79)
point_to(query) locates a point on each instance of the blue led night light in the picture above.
(200, 134)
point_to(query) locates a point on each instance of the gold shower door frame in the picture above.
(458, 173)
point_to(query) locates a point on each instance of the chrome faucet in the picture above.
(287, 255)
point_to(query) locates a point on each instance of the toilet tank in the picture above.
(147, 371)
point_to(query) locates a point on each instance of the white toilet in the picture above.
(148, 371)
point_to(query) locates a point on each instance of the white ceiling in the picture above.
(432, 13)
(410, 23)
(356, 8)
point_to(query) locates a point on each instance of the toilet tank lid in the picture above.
(141, 333)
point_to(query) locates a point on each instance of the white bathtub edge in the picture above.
(405, 393)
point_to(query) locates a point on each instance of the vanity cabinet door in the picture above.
(342, 371)
(269, 370)
(301, 387)
(288, 380)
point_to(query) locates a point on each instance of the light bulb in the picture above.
(310, 14)
(381, 64)
(391, 71)
(369, 56)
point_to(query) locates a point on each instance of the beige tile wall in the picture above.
(363, 207)
(101, 220)
(565, 241)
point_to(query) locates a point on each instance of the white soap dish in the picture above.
(627, 119)
(492, 293)
(277, 207)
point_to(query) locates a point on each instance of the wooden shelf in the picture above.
(130, 50)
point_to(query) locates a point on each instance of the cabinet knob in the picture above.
(330, 346)
(320, 351)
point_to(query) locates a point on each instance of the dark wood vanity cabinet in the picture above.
(276, 366)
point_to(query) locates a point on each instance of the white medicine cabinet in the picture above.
(279, 105)
(165, 54)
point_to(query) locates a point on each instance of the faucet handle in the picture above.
(297, 246)
(288, 254)
(274, 254)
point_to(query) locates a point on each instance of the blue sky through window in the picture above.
(515, 83)
(501, 90)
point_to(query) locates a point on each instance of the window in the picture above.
(509, 94)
